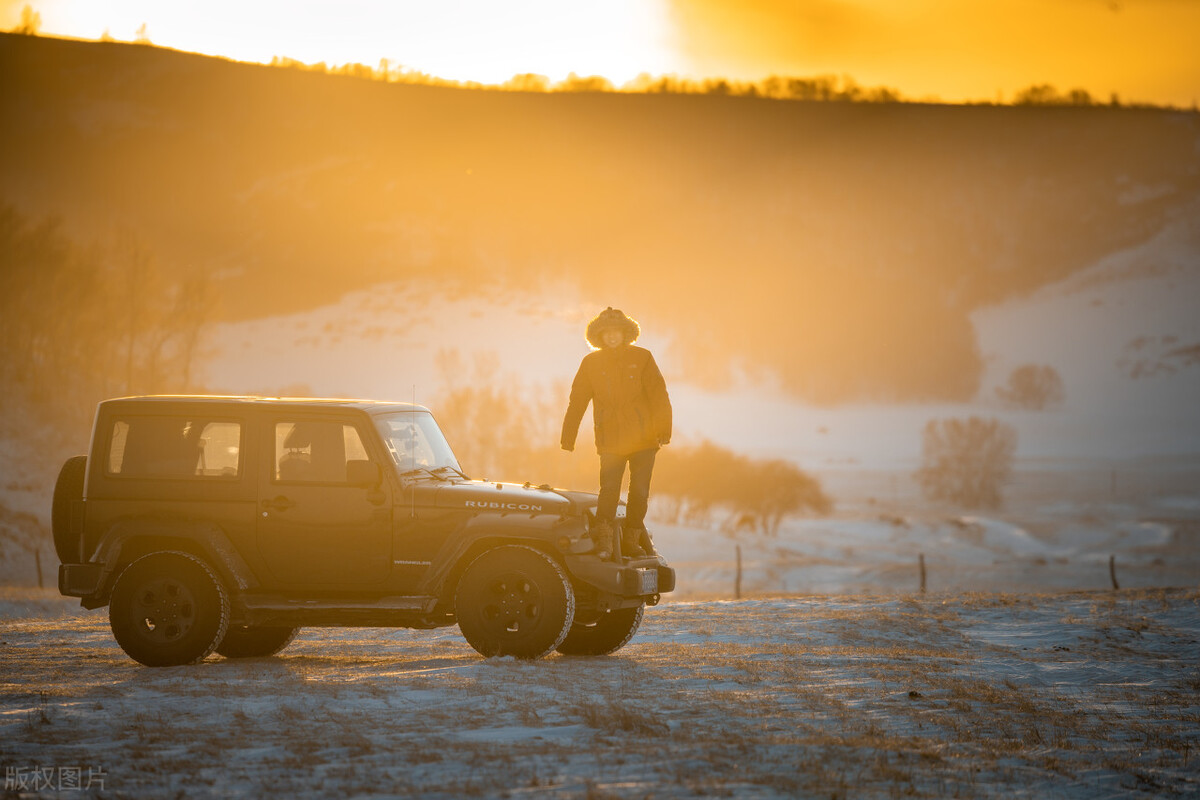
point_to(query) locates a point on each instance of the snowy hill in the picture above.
(1124, 334)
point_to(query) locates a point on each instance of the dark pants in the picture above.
(612, 470)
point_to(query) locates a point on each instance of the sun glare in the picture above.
(925, 49)
(474, 40)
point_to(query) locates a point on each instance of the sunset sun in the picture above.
(477, 40)
(925, 49)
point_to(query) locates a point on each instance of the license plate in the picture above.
(647, 581)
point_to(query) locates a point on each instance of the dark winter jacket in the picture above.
(630, 406)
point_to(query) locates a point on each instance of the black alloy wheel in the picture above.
(168, 609)
(514, 601)
(255, 641)
(602, 632)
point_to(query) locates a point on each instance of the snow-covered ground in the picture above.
(835, 679)
(1085, 695)
(881, 553)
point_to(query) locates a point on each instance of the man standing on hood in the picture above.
(632, 416)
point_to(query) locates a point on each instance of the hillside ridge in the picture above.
(861, 236)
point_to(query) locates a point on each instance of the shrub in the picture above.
(756, 493)
(967, 461)
(502, 429)
(1034, 387)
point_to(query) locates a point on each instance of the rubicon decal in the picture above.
(492, 505)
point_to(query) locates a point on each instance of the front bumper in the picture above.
(638, 578)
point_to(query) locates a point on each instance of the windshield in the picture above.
(415, 441)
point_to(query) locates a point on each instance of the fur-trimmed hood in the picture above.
(612, 318)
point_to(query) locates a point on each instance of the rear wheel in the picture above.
(255, 641)
(67, 489)
(514, 601)
(168, 609)
(602, 633)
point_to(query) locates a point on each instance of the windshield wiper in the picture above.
(416, 471)
(459, 472)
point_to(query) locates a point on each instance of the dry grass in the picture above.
(978, 696)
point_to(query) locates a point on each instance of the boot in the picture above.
(647, 542)
(631, 543)
(602, 535)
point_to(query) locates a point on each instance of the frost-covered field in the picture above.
(1087, 695)
(1056, 542)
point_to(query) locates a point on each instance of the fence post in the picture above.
(1112, 571)
(737, 581)
(37, 562)
(921, 563)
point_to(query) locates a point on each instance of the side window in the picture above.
(220, 448)
(116, 450)
(175, 447)
(312, 451)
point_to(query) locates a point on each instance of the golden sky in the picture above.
(953, 50)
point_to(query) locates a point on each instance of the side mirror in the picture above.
(360, 472)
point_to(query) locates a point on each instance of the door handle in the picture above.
(279, 503)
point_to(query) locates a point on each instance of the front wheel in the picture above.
(168, 609)
(604, 633)
(255, 641)
(514, 601)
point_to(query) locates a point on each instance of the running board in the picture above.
(396, 611)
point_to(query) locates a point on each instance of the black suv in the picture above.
(227, 523)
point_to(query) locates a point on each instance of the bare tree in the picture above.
(31, 22)
(499, 427)
(194, 305)
(1034, 387)
(119, 321)
(967, 461)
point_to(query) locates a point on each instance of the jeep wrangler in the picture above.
(228, 523)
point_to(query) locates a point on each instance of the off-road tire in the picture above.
(255, 641)
(168, 609)
(604, 633)
(514, 601)
(67, 489)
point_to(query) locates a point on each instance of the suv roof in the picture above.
(331, 402)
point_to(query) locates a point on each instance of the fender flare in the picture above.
(483, 532)
(130, 539)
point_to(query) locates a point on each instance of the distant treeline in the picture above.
(829, 88)
(820, 88)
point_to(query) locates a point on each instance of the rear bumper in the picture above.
(79, 580)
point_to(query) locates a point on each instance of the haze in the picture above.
(1140, 50)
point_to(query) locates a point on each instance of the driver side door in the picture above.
(314, 525)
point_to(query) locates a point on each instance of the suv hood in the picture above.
(508, 498)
